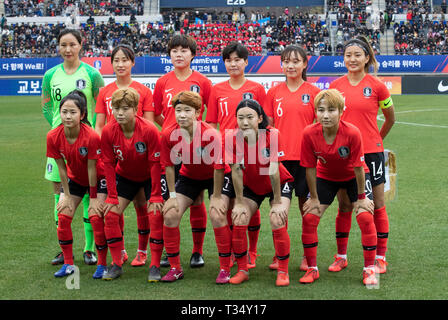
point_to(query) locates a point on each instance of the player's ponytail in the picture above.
(253, 104)
(80, 100)
(363, 43)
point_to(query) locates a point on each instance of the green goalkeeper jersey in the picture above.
(57, 84)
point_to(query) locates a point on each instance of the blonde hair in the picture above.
(332, 96)
(189, 98)
(128, 97)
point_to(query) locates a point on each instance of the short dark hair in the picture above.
(74, 32)
(240, 50)
(184, 42)
(253, 104)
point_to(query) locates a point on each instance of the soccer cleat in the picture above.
(173, 275)
(65, 270)
(58, 259)
(303, 264)
(380, 265)
(252, 260)
(140, 259)
(274, 264)
(90, 258)
(154, 274)
(99, 272)
(369, 277)
(239, 277)
(124, 256)
(338, 264)
(196, 260)
(113, 272)
(310, 275)
(223, 277)
(282, 279)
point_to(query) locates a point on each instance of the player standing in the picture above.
(332, 154)
(221, 109)
(130, 148)
(290, 108)
(182, 50)
(76, 143)
(57, 83)
(364, 94)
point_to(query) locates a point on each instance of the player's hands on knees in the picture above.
(240, 214)
(312, 205)
(108, 207)
(171, 203)
(95, 207)
(66, 204)
(218, 204)
(362, 205)
(278, 215)
(155, 206)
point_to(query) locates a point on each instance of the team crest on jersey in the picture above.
(306, 98)
(195, 88)
(140, 147)
(367, 91)
(344, 151)
(81, 84)
(248, 95)
(83, 151)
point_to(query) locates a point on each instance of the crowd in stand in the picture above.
(39, 8)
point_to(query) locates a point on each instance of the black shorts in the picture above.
(286, 191)
(192, 188)
(128, 189)
(78, 190)
(376, 164)
(327, 190)
(299, 174)
(165, 191)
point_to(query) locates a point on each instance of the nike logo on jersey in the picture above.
(222, 99)
(168, 90)
(441, 87)
(57, 84)
(277, 100)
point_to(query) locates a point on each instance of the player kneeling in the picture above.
(333, 155)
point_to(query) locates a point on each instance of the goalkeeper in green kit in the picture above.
(57, 83)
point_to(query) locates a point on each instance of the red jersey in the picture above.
(361, 107)
(336, 160)
(168, 86)
(292, 112)
(86, 146)
(198, 157)
(136, 158)
(104, 100)
(221, 107)
(255, 160)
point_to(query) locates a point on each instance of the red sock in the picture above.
(343, 225)
(239, 245)
(122, 228)
(198, 221)
(171, 238)
(254, 231)
(142, 227)
(223, 238)
(114, 237)
(309, 238)
(65, 237)
(382, 230)
(368, 237)
(100, 239)
(282, 247)
(156, 237)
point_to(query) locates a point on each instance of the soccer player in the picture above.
(130, 148)
(364, 94)
(254, 151)
(123, 60)
(290, 108)
(182, 50)
(76, 143)
(198, 146)
(57, 83)
(332, 154)
(221, 109)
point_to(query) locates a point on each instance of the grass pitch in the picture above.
(418, 226)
